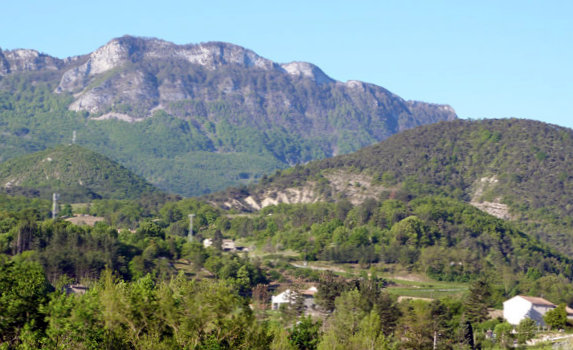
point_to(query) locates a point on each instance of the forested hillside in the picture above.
(74, 172)
(152, 288)
(522, 167)
(194, 119)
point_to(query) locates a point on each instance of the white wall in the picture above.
(516, 309)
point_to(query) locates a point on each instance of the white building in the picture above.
(520, 307)
(288, 297)
(285, 297)
(227, 245)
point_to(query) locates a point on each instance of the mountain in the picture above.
(193, 119)
(78, 174)
(520, 170)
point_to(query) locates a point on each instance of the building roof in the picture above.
(537, 301)
(310, 291)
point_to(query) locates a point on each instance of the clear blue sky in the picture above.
(485, 58)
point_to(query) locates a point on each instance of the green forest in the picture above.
(147, 286)
(74, 172)
(526, 166)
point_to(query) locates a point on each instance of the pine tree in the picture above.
(477, 302)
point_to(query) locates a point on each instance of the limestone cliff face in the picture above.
(20, 60)
(138, 76)
(135, 83)
(121, 51)
(307, 70)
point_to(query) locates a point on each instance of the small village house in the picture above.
(288, 297)
(520, 307)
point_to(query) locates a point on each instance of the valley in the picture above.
(210, 198)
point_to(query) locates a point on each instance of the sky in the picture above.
(487, 59)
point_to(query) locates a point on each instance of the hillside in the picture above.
(154, 289)
(197, 118)
(515, 169)
(76, 173)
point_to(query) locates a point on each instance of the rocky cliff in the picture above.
(247, 114)
(138, 76)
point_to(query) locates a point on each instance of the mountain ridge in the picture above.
(219, 101)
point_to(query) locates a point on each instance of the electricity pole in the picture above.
(55, 208)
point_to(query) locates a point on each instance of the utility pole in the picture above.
(190, 237)
(74, 138)
(55, 197)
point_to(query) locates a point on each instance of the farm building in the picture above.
(520, 307)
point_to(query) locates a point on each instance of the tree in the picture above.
(150, 229)
(373, 297)
(281, 339)
(369, 335)
(477, 302)
(526, 330)
(260, 294)
(415, 328)
(468, 335)
(556, 318)
(329, 289)
(440, 315)
(26, 229)
(23, 287)
(218, 240)
(503, 334)
(305, 334)
(344, 321)
(67, 210)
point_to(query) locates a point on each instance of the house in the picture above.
(288, 297)
(227, 245)
(520, 307)
(285, 297)
(309, 297)
(75, 289)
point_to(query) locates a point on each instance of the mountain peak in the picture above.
(307, 70)
(127, 49)
(25, 60)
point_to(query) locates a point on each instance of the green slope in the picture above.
(212, 128)
(522, 164)
(78, 174)
(441, 237)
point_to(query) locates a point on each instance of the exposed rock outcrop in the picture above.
(148, 74)
(21, 60)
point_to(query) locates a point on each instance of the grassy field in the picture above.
(426, 289)
(402, 283)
